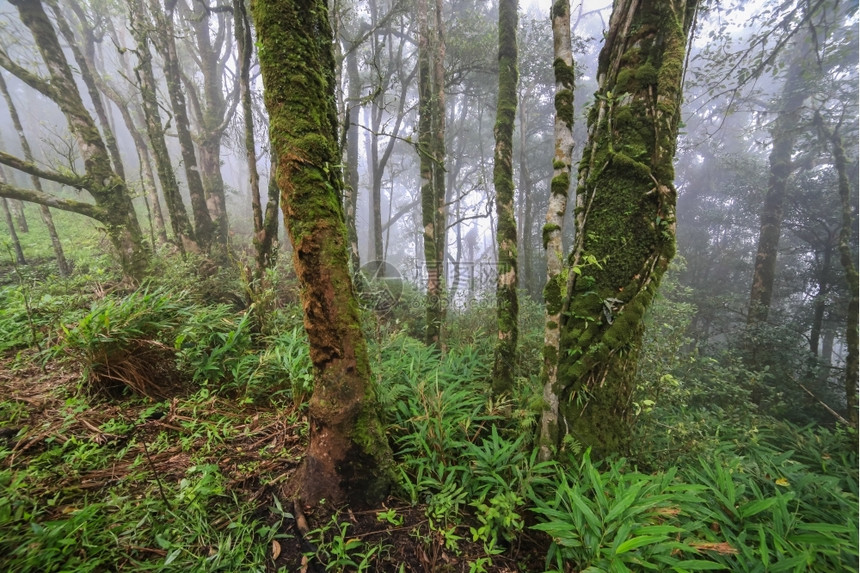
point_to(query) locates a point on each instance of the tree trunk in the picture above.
(784, 133)
(89, 81)
(13, 235)
(507, 306)
(552, 230)
(350, 198)
(17, 208)
(430, 126)
(165, 42)
(625, 217)
(179, 222)
(847, 258)
(62, 264)
(348, 458)
(214, 115)
(107, 188)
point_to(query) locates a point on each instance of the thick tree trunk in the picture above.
(625, 217)
(348, 457)
(552, 230)
(784, 133)
(507, 305)
(62, 264)
(107, 188)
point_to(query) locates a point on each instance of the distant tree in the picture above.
(13, 234)
(625, 216)
(47, 218)
(507, 304)
(184, 233)
(113, 206)
(348, 457)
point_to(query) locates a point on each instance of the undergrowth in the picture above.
(125, 466)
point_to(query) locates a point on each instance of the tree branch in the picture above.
(30, 168)
(37, 83)
(38, 197)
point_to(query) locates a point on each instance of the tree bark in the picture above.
(625, 217)
(62, 264)
(507, 305)
(552, 230)
(107, 188)
(348, 458)
(350, 197)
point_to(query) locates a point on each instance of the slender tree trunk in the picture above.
(350, 198)
(348, 458)
(179, 220)
(819, 304)
(625, 218)
(507, 305)
(426, 157)
(439, 175)
(847, 258)
(17, 208)
(13, 234)
(165, 43)
(214, 118)
(107, 188)
(552, 230)
(62, 264)
(784, 133)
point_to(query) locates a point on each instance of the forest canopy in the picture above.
(426, 285)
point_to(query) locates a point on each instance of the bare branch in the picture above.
(70, 205)
(31, 168)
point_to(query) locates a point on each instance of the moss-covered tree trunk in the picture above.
(348, 458)
(109, 190)
(556, 279)
(625, 216)
(431, 151)
(47, 218)
(784, 132)
(507, 305)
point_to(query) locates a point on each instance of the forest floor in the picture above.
(74, 450)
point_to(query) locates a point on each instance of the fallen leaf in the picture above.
(276, 549)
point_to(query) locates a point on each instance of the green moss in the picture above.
(560, 184)
(646, 74)
(548, 230)
(564, 105)
(558, 164)
(564, 74)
